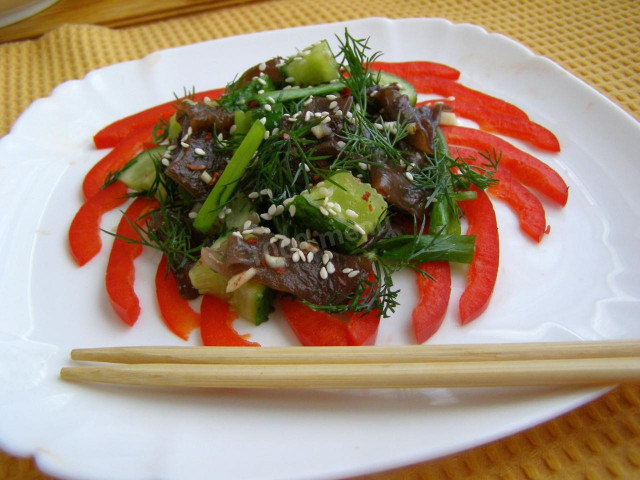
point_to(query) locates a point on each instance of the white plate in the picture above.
(581, 282)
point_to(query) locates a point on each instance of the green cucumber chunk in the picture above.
(140, 173)
(359, 209)
(315, 64)
(383, 79)
(252, 301)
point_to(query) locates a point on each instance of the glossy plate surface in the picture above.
(581, 282)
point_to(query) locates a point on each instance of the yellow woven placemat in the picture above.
(598, 41)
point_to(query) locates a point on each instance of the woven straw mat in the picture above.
(598, 41)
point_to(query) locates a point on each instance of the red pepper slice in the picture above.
(114, 133)
(483, 269)
(497, 122)
(524, 167)
(312, 327)
(530, 212)
(434, 294)
(215, 324)
(114, 160)
(363, 329)
(175, 310)
(84, 231)
(120, 273)
(402, 69)
(450, 88)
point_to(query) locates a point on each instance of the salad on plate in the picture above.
(307, 182)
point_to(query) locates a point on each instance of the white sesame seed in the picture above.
(330, 253)
(228, 211)
(349, 115)
(350, 213)
(325, 258)
(333, 105)
(199, 151)
(340, 144)
(261, 81)
(267, 107)
(189, 130)
(260, 92)
(324, 191)
(324, 211)
(166, 162)
(331, 97)
(267, 192)
(323, 273)
(331, 268)
(287, 201)
(184, 144)
(317, 114)
(292, 210)
(295, 257)
(247, 224)
(338, 112)
(279, 209)
(262, 66)
(409, 176)
(363, 166)
(265, 216)
(253, 195)
(308, 100)
(326, 120)
(273, 240)
(359, 229)
(285, 242)
(263, 120)
(302, 257)
(272, 210)
(309, 257)
(354, 273)
(308, 116)
(232, 129)
(347, 270)
(205, 177)
(275, 131)
(307, 168)
(270, 99)
(236, 234)
(266, 134)
(221, 215)
(294, 243)
(289, 79)
(275, 262)
(248, 231)
(171, 148)
(193, 215)
(220, 136)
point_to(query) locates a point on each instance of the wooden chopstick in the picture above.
(526, 364)
(340, 355)
(574, 363)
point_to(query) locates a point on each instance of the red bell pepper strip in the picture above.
(114, 160)
(483, 269)
(402, 69)
(450, 88)
(120, 273)
(84, 231)
(114, 133)
(215, 324)
(434, 293)
(312, 327)
(524, 167)
(317, 328)
(175, 310)
(527, 207)
(493, 121)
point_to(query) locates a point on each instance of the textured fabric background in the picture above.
(598, 41)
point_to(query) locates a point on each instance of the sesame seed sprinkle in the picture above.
(409, 176)
(199, 151)
(267, 107)
(350, 213)
(347, 270)
(325, 258)
(323, 273)
(184, 144)
(166, 162)
(359, 229)
(331, 97)
(309, 257)
(324, 211)
(253, 195)
(333, 105)
(262, 66)
(331, 268)
(292, 210)
(263, 120)
(205, 177)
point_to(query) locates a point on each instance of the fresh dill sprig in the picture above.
(354, 65)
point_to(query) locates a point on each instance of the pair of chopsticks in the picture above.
(421, 366)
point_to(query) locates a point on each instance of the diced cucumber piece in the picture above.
(206, 281)
(342, 208)
(241, 210)
(140, 173)
(174, 128)
(252, 301)
(315, 64)
(384, 79)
